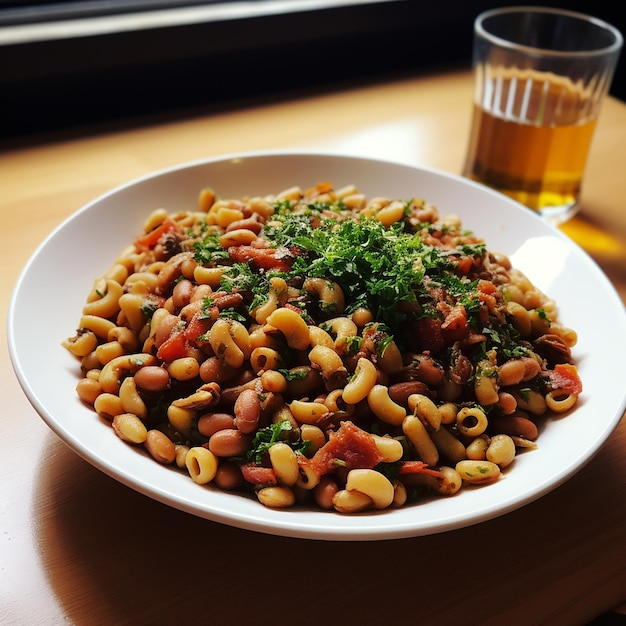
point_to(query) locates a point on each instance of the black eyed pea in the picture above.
(400, 494)
(128, 427)
(477, 448)
(276, 497)
(184, 368)
(313, 434)
(478, 472)
(108, 405)
(450, 481)
(501, 450)
(181, 455)
(345, 501)
(180, 419)
(88, 390)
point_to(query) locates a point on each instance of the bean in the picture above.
(214, 369)
(400, 392)
(428, 371)
(345, 501)
(88, 390)
(516, 426)
(501, 450)
(276, 497)
(274, 381)
(229, 442)
(511, 372)
(477, 448)
(130, 428)
(506, 402)
(478, 472)
(164, 329)
(228, 476)
(184, 368)
(531, 368)
(210, 423)
(247, 411)
(324, 492)
(152, 378)
(160, 447)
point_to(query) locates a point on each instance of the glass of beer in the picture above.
(541, 75)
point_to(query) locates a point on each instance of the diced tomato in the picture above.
(454, 327)
(258, 475)
(174, 347)
(197, 326)
(266, 258)
(349, 444)
(565, 376)
(418, 467)
(486, 286)
(149, 240)
(464, 264)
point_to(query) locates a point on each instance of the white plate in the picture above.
(51, 291)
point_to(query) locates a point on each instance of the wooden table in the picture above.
(77, 547)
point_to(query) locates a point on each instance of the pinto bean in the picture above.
(400, 392)
(210, 423)
(516, 426)
(228, 476)
(247, 411)
(249, 223)
(511, 372)
(182, 292)
(164, 329)
(324, 492)
(160, 447)
(428, 371)
(152, 378)
(229, 442)
(531, 368)
(170, 272)
(214, 369)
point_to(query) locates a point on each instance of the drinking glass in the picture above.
(541, 75)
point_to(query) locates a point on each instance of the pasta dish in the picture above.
(318, 347)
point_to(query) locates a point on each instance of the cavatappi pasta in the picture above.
(320, 347)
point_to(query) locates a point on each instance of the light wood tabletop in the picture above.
(76, 547)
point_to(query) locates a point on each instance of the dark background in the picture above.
(117, 78)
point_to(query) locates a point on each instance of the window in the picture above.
(76, 62)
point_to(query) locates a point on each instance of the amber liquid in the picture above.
(537, 157)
